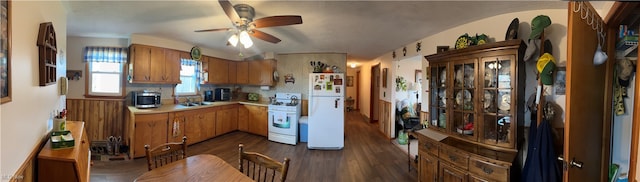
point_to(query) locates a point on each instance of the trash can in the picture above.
(304, 128)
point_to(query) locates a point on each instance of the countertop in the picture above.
(176, 107)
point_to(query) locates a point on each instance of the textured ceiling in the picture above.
(362, 29)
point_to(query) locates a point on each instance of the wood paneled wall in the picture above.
(102, 117)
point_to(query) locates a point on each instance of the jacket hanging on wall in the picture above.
(541, 163)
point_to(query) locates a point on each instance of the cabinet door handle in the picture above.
(453, 158)
(486, 170)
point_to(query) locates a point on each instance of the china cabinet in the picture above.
(474, 122)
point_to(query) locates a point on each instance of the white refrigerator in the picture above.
(326, 111)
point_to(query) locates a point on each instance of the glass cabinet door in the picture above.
(439, 80)
(496, 102)
(463, 115)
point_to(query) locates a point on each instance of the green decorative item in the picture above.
(463, 41)
(195, 53)
(403, 138)
(401, 84)
(481, 39)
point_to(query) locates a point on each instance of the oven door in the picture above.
(283, 122)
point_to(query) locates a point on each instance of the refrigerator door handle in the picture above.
(336, 105)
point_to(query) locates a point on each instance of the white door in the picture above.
(326, 123)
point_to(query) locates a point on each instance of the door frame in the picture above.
(374, 98)
(357, 79)
(617, 14)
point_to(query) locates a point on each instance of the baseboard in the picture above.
(27, 171)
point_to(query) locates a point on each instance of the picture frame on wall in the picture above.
(384, 77)
(349, 81)
(5, 50)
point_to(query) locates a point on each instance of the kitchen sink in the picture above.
(189, 104)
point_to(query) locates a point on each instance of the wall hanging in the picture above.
(47, 53)
(5, 50)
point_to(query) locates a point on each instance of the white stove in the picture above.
(283, 118)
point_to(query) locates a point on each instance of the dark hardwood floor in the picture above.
(367, 156)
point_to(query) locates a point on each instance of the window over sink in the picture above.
(188, 78)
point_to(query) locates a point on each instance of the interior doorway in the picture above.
(357, 79)
(374, 110)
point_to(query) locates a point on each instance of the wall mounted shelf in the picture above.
(47, 49)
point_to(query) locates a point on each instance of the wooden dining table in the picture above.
(202, 167)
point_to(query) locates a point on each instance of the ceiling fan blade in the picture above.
(230, 11)
(274, 21)
(265, 36)
(213, 30)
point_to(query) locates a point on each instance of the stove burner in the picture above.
(290, 104)
(277, 103)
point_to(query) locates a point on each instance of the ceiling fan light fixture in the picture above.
(245, 39)
(233, 40)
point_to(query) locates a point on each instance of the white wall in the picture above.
(75, 52)
(26, 119)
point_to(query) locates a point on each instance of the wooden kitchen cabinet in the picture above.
(218, 70)
(209, 121)
(243, 118)
(428, 166)
(261, 72)
(451, 174)
(258, 120)
(227, 120)
(66, 164)
(150, 129)
(147, 64)
(242, 72)
(172, 66)
(233, 68)
(199, 125)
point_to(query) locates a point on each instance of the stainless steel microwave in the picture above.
(146, 99)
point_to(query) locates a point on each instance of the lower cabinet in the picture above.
(66, 164)
(243, 118)
(227, 120)
(451, 160)
(451, 174)
(150, 129)
(428, 166)
(258, 121)
(197, 124)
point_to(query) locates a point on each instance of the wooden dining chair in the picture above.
(166, 153)
(260, 167)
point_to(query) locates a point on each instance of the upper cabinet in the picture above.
(148, 64)
(261, 72)
(156, 65)
(242, 72)
(218, 70)
(233, 78)
(475, 92)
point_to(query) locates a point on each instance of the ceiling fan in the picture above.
(242, 17)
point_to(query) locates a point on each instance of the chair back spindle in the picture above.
(165, 153)
(260, 167)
